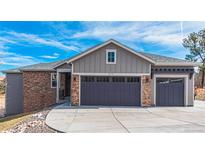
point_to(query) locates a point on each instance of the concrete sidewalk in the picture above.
(125, 119)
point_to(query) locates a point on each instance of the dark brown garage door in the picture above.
(170, 92)
(110, 91)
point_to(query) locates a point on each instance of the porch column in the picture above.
(58, 87)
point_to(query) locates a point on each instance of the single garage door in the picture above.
(110, 91)
(170, 92)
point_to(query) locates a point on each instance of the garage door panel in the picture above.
(131, 89)
(119, 98)
(170, 92)
(112, 92)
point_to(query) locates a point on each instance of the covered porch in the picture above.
(63, 91)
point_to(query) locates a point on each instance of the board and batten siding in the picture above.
(126, 62)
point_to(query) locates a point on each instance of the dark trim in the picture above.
(172, 70)
(164, 69)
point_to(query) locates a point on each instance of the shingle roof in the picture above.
(40, 66)
(158, 59)
(164, 59)
(35, 67)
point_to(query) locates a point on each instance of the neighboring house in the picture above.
(110, 74)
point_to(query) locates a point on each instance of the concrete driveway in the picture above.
(127, 120)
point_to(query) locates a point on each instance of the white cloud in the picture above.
(7, 57)
(48, 57)
(13, 59)
(36, 39)
(54, 56)
(167, 39)
(5, 40)
(14, 37)
(165, 33)
(107, 30)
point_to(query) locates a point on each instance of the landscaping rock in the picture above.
(34, 124)
(200, 94)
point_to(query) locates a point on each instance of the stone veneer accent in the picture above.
(146, 90)
(37, 91)
(75, 93)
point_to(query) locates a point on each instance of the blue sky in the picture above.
(25, 43)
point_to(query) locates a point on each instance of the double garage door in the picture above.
(110, 91)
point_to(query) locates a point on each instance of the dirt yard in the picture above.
(2, 104)
(200, 94)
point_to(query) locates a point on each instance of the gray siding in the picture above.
(64, 66)
(14, 94)
(95, 62)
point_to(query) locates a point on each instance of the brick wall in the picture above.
(146, 90)
(37, 90)
(75, 95)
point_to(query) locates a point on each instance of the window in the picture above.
(53, 80)
(111, 56)
(132, 79)
(88, 79)
(102, 79)
(118, 79)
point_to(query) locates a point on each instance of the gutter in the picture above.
(32, 70)
(38, 70)
(11, 72)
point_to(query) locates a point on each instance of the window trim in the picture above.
(52, 80)
(115, 58)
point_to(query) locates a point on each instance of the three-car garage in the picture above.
(126, 91)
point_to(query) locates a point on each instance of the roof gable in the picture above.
(106, 43)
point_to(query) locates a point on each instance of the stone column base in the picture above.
(75, 90)
(146, 90)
